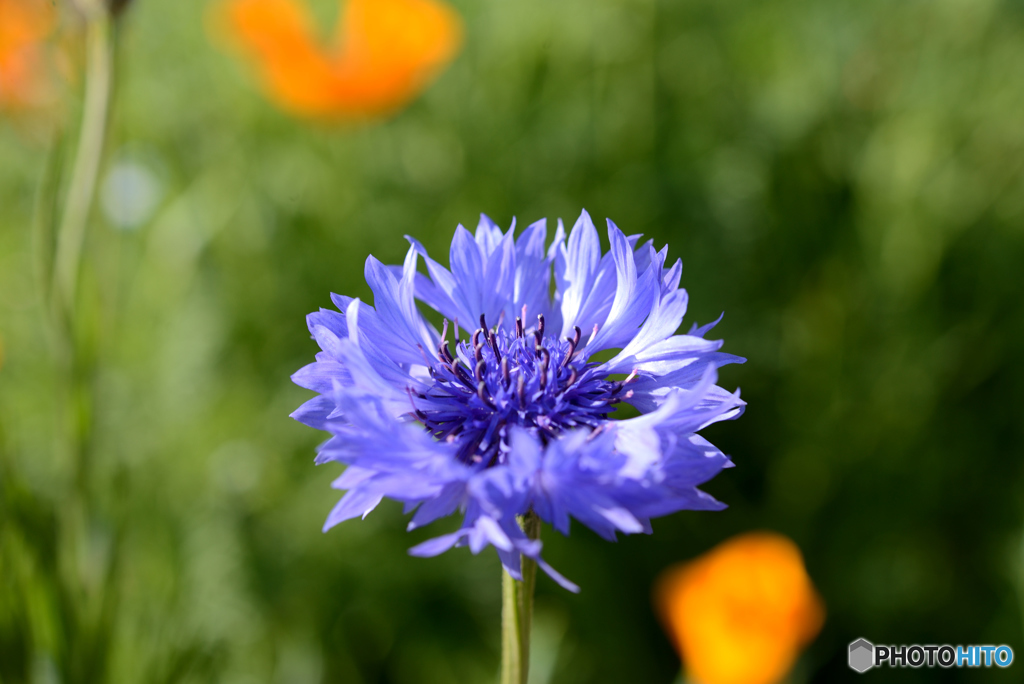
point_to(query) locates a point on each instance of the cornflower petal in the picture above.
(467, 265)
(515, 417)
(355, 504)
(396, 309)
(582, 258)
(532, 269)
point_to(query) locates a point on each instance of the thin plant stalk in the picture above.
(44, 229)
(92, 137)
(517, 612)
(88, 652)
(71, 233)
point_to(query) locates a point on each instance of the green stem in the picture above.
(517, 612)
(43, 238)
(84, 174)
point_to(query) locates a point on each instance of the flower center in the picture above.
(500, 378)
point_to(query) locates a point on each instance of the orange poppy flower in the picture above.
(24, 77)
(384, 54)
(741, 613)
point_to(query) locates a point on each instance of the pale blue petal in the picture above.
(437, 545)
(354, 504)
(468, 270)
(315, 412)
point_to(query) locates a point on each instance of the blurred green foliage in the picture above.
(845, 179)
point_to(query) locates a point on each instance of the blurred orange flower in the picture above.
(741, 613)
(385, 52)
(24, 77)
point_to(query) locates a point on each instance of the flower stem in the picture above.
(82, 186)
(517, 612)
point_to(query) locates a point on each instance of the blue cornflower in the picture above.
(516, 416)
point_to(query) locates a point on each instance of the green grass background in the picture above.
(844, 178)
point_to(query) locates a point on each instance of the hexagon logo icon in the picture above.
(862, 655)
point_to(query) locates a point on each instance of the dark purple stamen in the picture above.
(461, 373)
(545, 359)
(573, 341)
(478, 346)
(493, 339)
(426, 359)
(616, 387)
(442, 349)
(481, 391)
(474, 395)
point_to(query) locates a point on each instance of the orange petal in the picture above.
(390, 50)
(387, 52)
(277, 37)
(741, 613)
(24, 24)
